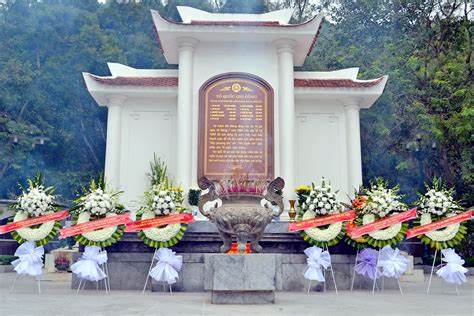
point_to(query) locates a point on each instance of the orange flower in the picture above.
(359, 202)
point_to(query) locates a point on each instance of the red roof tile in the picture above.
(335, 83)
(236, 23)
(173, 82)
(138, 81)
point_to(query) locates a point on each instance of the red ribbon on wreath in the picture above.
(420, 230)
(159, 221)
(355, 231)
(57, 216)
(322, 220)
(93, 225)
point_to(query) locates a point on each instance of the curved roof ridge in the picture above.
(236, 23)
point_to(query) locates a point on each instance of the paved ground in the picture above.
(58, 299)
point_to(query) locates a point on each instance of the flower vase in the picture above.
(292, 212)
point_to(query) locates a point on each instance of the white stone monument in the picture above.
(310, 120)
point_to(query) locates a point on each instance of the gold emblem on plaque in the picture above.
(236, 87)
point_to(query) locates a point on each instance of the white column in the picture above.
(184, 112)
(286, 103)
(112, 148)
(354, 159)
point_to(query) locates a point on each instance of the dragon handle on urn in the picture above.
(246, 222)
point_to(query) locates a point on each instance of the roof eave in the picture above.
(306, 34)
(103, 92)
(365, 96)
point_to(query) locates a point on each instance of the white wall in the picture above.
(321, 144)
(148, 126)
(210, 60)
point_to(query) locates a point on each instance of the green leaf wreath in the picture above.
(98, 202)
(320, 201)
(162, 199)
(376, 202)
(35, 200)
(435, 204)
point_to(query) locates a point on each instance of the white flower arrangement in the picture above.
(162, 201)
(437, 202)
(98, 202)
(321, 200)
(381, 200)
(35, 201)
(377, 202)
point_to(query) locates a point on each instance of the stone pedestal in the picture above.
(241, 279)
(129, 261)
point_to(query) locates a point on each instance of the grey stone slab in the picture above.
(246, 297)
(127, 271)
(241, 272)
(284, 272)
(191, 279)
(6, 268)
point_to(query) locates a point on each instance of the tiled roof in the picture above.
(173, 82)
(236, 23)
(138, 81)
(335, 83)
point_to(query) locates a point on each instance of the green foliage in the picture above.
(422, 125)
(159, 173)
(193, 196)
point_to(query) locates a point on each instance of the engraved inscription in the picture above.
(236, 134)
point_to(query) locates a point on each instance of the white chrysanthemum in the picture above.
(36, 201)
(98, 203)
(437, 202)
(322, 201)
(382, 201)
(162, 202)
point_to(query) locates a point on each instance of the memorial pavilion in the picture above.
(235, 105)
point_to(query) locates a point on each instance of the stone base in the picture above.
(244, 297)
(129, 261)
(241, 279)
(128, 272)
(7, 268)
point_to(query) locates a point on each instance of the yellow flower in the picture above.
(177, 189)
(302, 189)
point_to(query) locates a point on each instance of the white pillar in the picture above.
(354, 159)
(286, 103)
(184, 112)
(112, 149)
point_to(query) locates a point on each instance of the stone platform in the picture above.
(130, 259)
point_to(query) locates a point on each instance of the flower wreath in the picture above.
(96, 203)
(161, 200)
(381, 201)
(436, 204)
(35, 201)
(319, 201)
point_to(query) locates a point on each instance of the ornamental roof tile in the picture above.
(173, 82)
(138, 81)
(335, 83)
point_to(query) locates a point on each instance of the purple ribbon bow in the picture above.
(366, 264)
